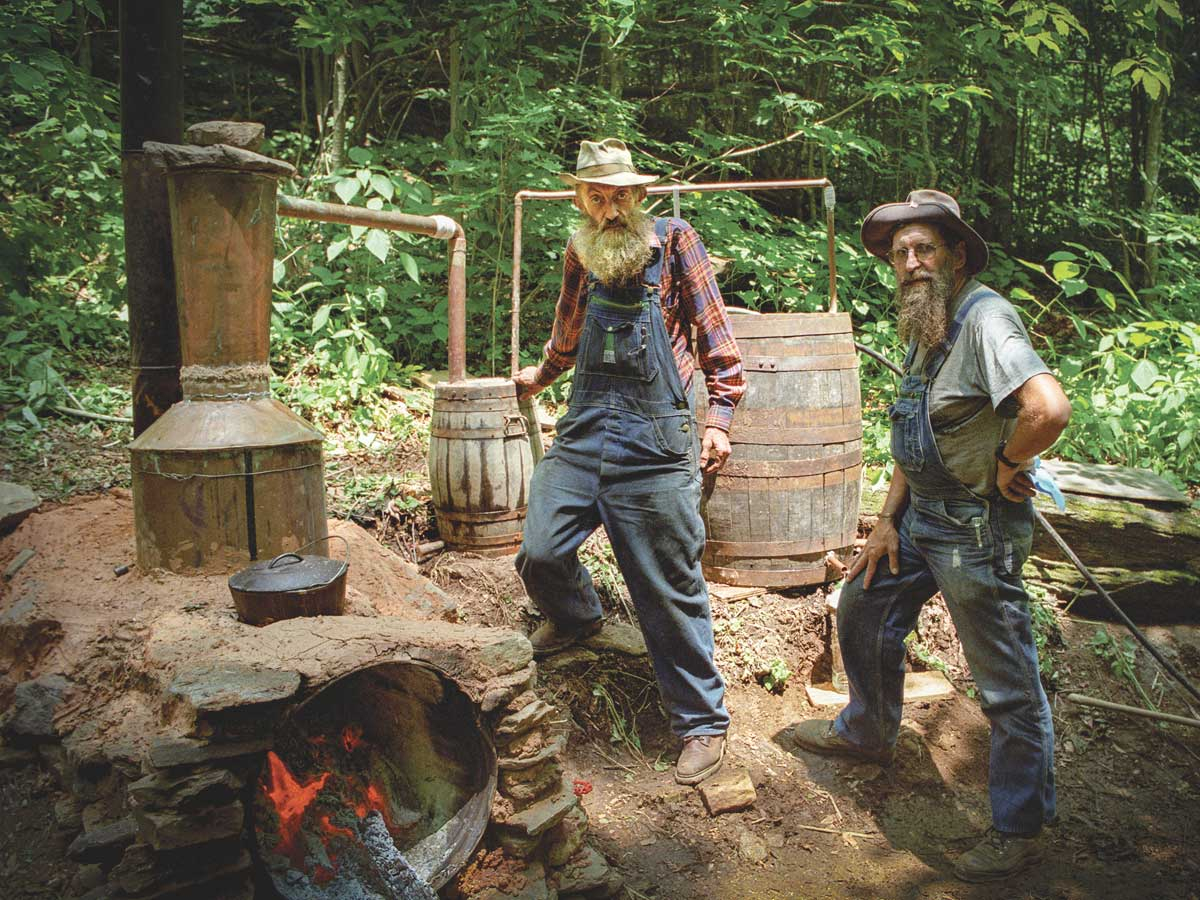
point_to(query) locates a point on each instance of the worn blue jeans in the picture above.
(972, 551)
(640, 480)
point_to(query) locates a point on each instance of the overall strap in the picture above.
(653, 274)
(941, 353)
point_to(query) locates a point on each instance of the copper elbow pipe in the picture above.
(441, 227)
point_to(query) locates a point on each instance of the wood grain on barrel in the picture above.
(790, 491)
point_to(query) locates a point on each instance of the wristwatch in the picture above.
(1004, 459)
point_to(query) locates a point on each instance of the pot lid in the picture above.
(288, 572)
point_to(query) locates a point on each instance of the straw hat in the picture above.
(925, 205)
(606, 162)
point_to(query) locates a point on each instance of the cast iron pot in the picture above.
(291, 585)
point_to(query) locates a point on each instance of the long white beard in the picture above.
(615, 255)
(925, 308)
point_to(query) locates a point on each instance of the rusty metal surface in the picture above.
(223, 231)
(198, 425)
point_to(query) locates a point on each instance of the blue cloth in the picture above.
(1045, 484)
(626, 457)
(971, 548)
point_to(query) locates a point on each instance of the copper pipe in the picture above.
(703, 188)
(442, 227)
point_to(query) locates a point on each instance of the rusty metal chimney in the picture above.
(229, 474)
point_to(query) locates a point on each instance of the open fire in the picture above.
(332, 821)
(375, 787)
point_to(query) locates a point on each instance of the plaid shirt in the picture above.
(694, 301)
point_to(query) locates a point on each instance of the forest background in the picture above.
(1070, 134)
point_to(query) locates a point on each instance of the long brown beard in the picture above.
(925, 308)
(615, 255)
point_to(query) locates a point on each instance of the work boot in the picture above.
(819, 736)
(701, 757)
(998, 856)
(551, 638)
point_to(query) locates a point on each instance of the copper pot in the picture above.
(291, 585)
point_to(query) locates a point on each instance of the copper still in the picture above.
(229, 474)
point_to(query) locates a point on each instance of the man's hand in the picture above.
(883, 541)
(1013, 484)
(714, 450)
(526, 382)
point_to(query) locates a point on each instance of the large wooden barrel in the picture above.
(790, 491)
(479, 465)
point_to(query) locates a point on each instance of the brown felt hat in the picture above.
(925, 205)
(605, 162)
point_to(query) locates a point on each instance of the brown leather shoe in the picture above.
(819, 736)
(701, 757)
(551, 638)
(998, 856)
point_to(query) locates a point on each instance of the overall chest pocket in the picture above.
(620, 349)
(907, 447)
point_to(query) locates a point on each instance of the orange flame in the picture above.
(352, 737)
(291, 799)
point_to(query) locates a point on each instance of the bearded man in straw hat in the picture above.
(626, 455)
(976, 405)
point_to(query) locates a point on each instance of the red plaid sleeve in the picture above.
(569, 314)
(716, 350)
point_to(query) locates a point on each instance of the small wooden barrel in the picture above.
(790, 491)
(479, 465)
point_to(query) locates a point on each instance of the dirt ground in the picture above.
(1129, 789)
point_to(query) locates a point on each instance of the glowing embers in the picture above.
(329, 824)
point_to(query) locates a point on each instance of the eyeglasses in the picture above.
(924, 253)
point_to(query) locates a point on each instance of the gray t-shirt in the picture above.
(971, 407)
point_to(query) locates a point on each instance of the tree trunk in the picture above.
(337, 118)
(1153, 156)
(456, 138)
(997, 164)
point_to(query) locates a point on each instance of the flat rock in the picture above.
(564, 839)
(525, 719)
(618, 637)
(217, 156)
(728, 791)
(243, 135)
(31, 716)
(103, 844)
(526, 785)
(161, 791)
(177, 751)
(586, 872)
(751, 847)
(173, 829)
(544, 814)
(213, 688)
(552, 750)
(16, 502)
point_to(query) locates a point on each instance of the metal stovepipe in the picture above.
(703, 188)
(441, 227)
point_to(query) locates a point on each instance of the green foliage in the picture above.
(1121, 657)
(774, 679)
(1047, 632)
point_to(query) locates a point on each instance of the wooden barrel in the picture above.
(790, 491)
(479, 465)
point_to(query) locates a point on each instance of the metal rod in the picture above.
(518, 206)
(442, 227)
(655, 189)
(1132, 710)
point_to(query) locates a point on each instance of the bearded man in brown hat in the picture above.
(627, 456)
(976, 405)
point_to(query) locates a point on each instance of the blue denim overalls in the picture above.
(971, 548)
(626, 457)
